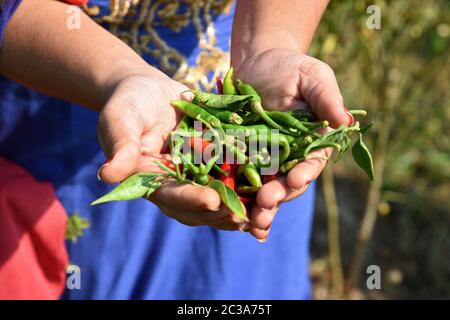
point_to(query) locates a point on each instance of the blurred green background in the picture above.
(400, 222)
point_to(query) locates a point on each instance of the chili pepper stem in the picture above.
(358, 112)
(166, 168)
(355, 127)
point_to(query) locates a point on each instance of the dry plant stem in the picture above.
(370, 212)
(334, 247)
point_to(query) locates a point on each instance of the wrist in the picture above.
(254, 46)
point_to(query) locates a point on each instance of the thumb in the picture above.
(123, 162)
(319, 88)
(122, 143)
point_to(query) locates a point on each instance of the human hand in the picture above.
(287, 79)
(133, 130)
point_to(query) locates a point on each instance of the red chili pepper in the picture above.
(268, 178)
(198, 144)
(245, 200)
(219, 85)
(168, 164)
(230, 179)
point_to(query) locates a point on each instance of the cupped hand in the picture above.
(133, 130)
(287, 79)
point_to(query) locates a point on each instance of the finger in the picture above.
(230, 226)
(187, 95)
(262, 218)
(219, 220)
(186, 197)
(306, 171)
(272, 193)
(319, 88)
(294, 193)
(123, 162)
(152, 141)
(147, 163)
(119, 137)
(260, 235)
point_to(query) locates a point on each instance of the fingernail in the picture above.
(262, 240)
(209, 207)
(105, 164)
(351, 119)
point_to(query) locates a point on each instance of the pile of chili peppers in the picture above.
(229, 142)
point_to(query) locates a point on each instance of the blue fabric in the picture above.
(6, 11)
(132, 250)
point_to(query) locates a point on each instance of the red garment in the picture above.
(33, 256)
(76, 2)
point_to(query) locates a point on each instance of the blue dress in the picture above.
(132, 250)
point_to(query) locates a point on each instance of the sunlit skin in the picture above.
(93, 68)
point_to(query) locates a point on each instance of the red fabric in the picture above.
(33, 256)
(76, 2)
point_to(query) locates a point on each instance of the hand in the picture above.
(133, 130)
(287, 79)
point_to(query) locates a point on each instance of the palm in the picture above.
(134, 128)
(275, 75)
(139, 111)
(287, 79)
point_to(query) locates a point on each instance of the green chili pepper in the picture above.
(246, 189)
(303, 115)
(213, 160)
(225, 116)
(248, 90)
(288, 165)
(237, 153)
(258, 109)
(196, 112)
(184, 123)
(256, 106)
(252, 174)
(296, 153)
(250, 118)
(269, 138)
(187, 163)
(202, 179)
(228, 86)
(316, 125)
(247, 130)
(215, 101)
(286, 119)
(217, 168)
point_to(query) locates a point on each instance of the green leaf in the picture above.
(229, 198)
(366, 128)
(75, 227)
(211, 100)
(345, 145)
(134, 187)
(155, 184)
(363, 157)
(331, 137)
